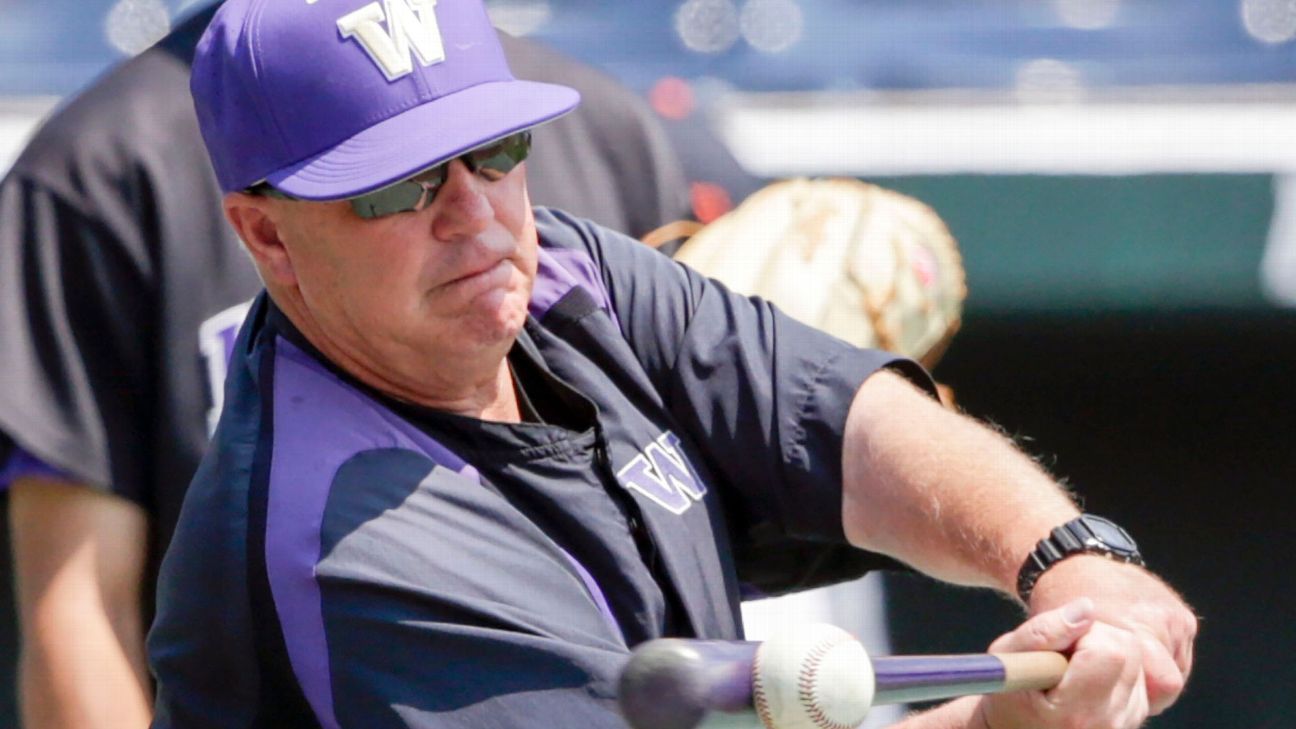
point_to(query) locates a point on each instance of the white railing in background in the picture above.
(1139, 131)
(18, 119)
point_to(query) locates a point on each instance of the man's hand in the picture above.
(1104, 685)
(1135, 600)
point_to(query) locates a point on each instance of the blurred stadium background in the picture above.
(1121, 176)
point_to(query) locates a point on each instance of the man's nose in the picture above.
(461, 208)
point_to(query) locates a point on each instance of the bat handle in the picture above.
(909, 679)
(1032, 670)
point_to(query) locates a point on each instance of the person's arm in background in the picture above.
(74, 314)
(958, 501)
(79, 561)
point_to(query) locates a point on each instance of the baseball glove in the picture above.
(868, 265)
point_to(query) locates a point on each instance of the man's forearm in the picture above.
(79, 557)
(940, 491)
(961, 503)
(86, 681)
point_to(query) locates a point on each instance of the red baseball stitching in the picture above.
(805, 688)
(758, 697)
(809, 676)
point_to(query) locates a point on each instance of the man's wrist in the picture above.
(1085, 534)
(1080, 572)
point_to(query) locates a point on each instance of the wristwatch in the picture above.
(1085, 534)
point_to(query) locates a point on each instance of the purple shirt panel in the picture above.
(559, 271)
(305, 459)
(21, 464)
(596, 593)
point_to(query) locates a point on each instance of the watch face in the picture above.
(1110, 534)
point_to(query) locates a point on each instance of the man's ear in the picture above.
(254, 219)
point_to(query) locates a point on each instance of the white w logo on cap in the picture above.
(411, 24)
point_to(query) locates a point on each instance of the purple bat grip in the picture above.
(902, 679)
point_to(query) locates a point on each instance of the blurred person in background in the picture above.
(121, 289)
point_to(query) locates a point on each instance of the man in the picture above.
(472, 452)
(121, 288)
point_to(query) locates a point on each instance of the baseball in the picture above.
(812, 677)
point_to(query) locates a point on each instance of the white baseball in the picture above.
(812, 677)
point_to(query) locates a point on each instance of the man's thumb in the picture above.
(1054, 630)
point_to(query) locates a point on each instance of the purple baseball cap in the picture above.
(326, 99)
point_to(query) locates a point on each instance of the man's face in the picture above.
(396, 295)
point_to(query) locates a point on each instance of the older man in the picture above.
(472, 452)
(121, 289)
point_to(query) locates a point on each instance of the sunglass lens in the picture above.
(398, 198)
(503, 156)
(492, 162)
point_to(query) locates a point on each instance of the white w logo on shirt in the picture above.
(663, 474)
(411, 25)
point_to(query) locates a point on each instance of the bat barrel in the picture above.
(675, 684)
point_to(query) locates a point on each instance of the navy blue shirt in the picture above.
(346, 560)
(557, 474)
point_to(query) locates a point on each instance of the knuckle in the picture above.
(1127, 642)
(1037, 633)
(1111, 663)
(1112, 655)
(1041, 630)
(1165, 688)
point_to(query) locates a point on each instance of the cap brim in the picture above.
(424, 136)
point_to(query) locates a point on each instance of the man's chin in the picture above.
(498, 323)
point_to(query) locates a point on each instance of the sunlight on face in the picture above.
(417, 291)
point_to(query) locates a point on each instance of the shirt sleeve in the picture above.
(21, 464)
(74, 325)
(765, 395)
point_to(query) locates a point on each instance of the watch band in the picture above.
(1086, 534)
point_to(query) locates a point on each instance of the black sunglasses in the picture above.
(491, 161)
